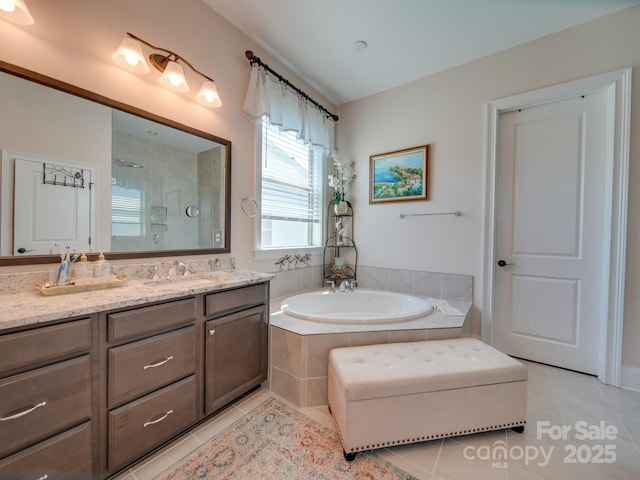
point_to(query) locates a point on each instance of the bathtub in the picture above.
(303, 329)
(357, 307)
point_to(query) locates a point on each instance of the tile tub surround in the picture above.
(299, 350)
(28, 308)
(451, 286)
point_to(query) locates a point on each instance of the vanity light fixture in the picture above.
(15, 11)
(129, 56)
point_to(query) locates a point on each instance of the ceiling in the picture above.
(407, 39)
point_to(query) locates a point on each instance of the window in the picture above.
(126, 212)
(290, 178)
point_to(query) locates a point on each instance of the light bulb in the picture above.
(173, 77)
(7, 5)
(129, 56)
(208, 95)
(15, 11)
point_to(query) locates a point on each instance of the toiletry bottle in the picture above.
(101, 267)
(82, 269)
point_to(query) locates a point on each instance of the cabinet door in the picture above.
(236, 355)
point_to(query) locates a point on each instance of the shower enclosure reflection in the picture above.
(157, 178)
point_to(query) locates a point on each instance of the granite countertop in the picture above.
(22, 309)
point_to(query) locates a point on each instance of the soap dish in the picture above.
(96, 284)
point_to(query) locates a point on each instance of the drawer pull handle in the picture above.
(23, 413)
(159, 364)
(157, 420)
(211, 332)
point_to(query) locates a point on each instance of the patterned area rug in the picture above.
(274, 441)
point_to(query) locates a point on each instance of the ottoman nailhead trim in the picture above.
(434, 437)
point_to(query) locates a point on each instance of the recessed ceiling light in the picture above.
(360, 46)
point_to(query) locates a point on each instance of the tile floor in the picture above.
(608, 418)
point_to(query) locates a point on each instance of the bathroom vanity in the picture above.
(90, 383)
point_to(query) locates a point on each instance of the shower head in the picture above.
(122, 163)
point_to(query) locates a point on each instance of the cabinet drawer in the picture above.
(42, 402)
(65, 456)
(140, 367)
(21, 349)
(223, 302)
(139, 426)
(147, 320)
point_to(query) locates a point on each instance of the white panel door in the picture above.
(550, 198)
(45, 215)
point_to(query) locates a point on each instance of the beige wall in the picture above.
(84, 138)
(447, 111)
(73, 40)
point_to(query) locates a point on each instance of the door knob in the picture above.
(24, 250)
(502, 263)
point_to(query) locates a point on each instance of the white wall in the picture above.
(447, 111)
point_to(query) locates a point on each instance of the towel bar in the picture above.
(457, 213)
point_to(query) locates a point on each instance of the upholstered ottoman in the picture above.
(381, 395)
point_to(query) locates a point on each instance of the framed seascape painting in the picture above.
(400, 175)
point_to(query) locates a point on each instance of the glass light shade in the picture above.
(15, 11)
(173, 77)
(130, 57)
(208, 95)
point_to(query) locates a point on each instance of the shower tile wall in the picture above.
(210, 194)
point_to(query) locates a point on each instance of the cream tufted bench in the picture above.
(397, 393)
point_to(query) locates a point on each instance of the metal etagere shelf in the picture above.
(340, 255)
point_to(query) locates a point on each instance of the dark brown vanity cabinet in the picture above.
(87, 397)
(151, 378)
(236, 343)
(169, 365)
(46, 397)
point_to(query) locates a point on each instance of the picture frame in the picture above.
(402, 175)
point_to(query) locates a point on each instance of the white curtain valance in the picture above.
(286, 109)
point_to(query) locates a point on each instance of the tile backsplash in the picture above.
(415, 282)
(12, 283)
(285, 282)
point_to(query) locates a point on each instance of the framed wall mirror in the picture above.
(83, 171)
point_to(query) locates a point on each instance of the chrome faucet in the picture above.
(352, 285)
(182, 269)
(344, 286)
(332, 284)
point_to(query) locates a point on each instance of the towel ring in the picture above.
(253, 202)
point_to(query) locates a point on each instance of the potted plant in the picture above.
(338, 179)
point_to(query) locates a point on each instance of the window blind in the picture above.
(126, 211)
(291, 182)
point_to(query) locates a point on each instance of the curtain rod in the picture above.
(253, 59)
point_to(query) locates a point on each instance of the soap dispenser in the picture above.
(82, 269)
(101, 267)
